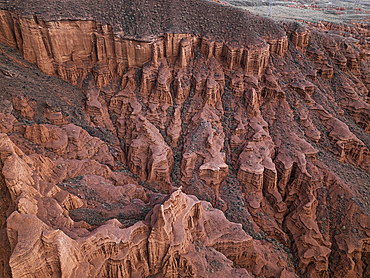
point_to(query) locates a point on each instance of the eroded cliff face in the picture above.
(270, 130)
(72, 49)
(180, 236)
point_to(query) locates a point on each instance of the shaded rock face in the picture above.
(269, 129)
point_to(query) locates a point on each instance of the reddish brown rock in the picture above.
(310, 129)
(22, 106)
(272, 132)
(140, 237)
(355, 103)
(174, 129)
(204, 149)
(69, 142)
(299, 37)
(149, 157)
(7, 122)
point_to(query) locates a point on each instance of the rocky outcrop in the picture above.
(21, 105)
(7, 122)
(299, 37)
(256, 170)
(174, 128)
(148, 150)
(268, 126)
(278, 46)
(95, 48)
(70, 142)
(356, 105)
(204, 146)
(198, 244)
(324, 69)
(96, 106)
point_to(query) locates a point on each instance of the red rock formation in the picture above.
(310, 129)
(95, 48)
(299, 37)
(22, 106)
(70, 142)
(256, 57)
(273, 133)
(355, 104)
(174, 129)
(145, 248)
(278, 46)
(149, 157)
(6, 122)
(160, 97)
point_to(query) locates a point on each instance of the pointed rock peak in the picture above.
(177, 201)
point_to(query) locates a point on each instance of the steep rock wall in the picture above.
(72, 48)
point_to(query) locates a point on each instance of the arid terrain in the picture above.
(184, 139)
(338, 11)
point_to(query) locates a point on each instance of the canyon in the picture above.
(181, 139)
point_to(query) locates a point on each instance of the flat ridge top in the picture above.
(145, 19)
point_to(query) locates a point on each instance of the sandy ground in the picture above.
(329, 10)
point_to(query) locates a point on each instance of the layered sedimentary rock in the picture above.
(197, 245)
(299, 37)
(100, 50)
(261, 123)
